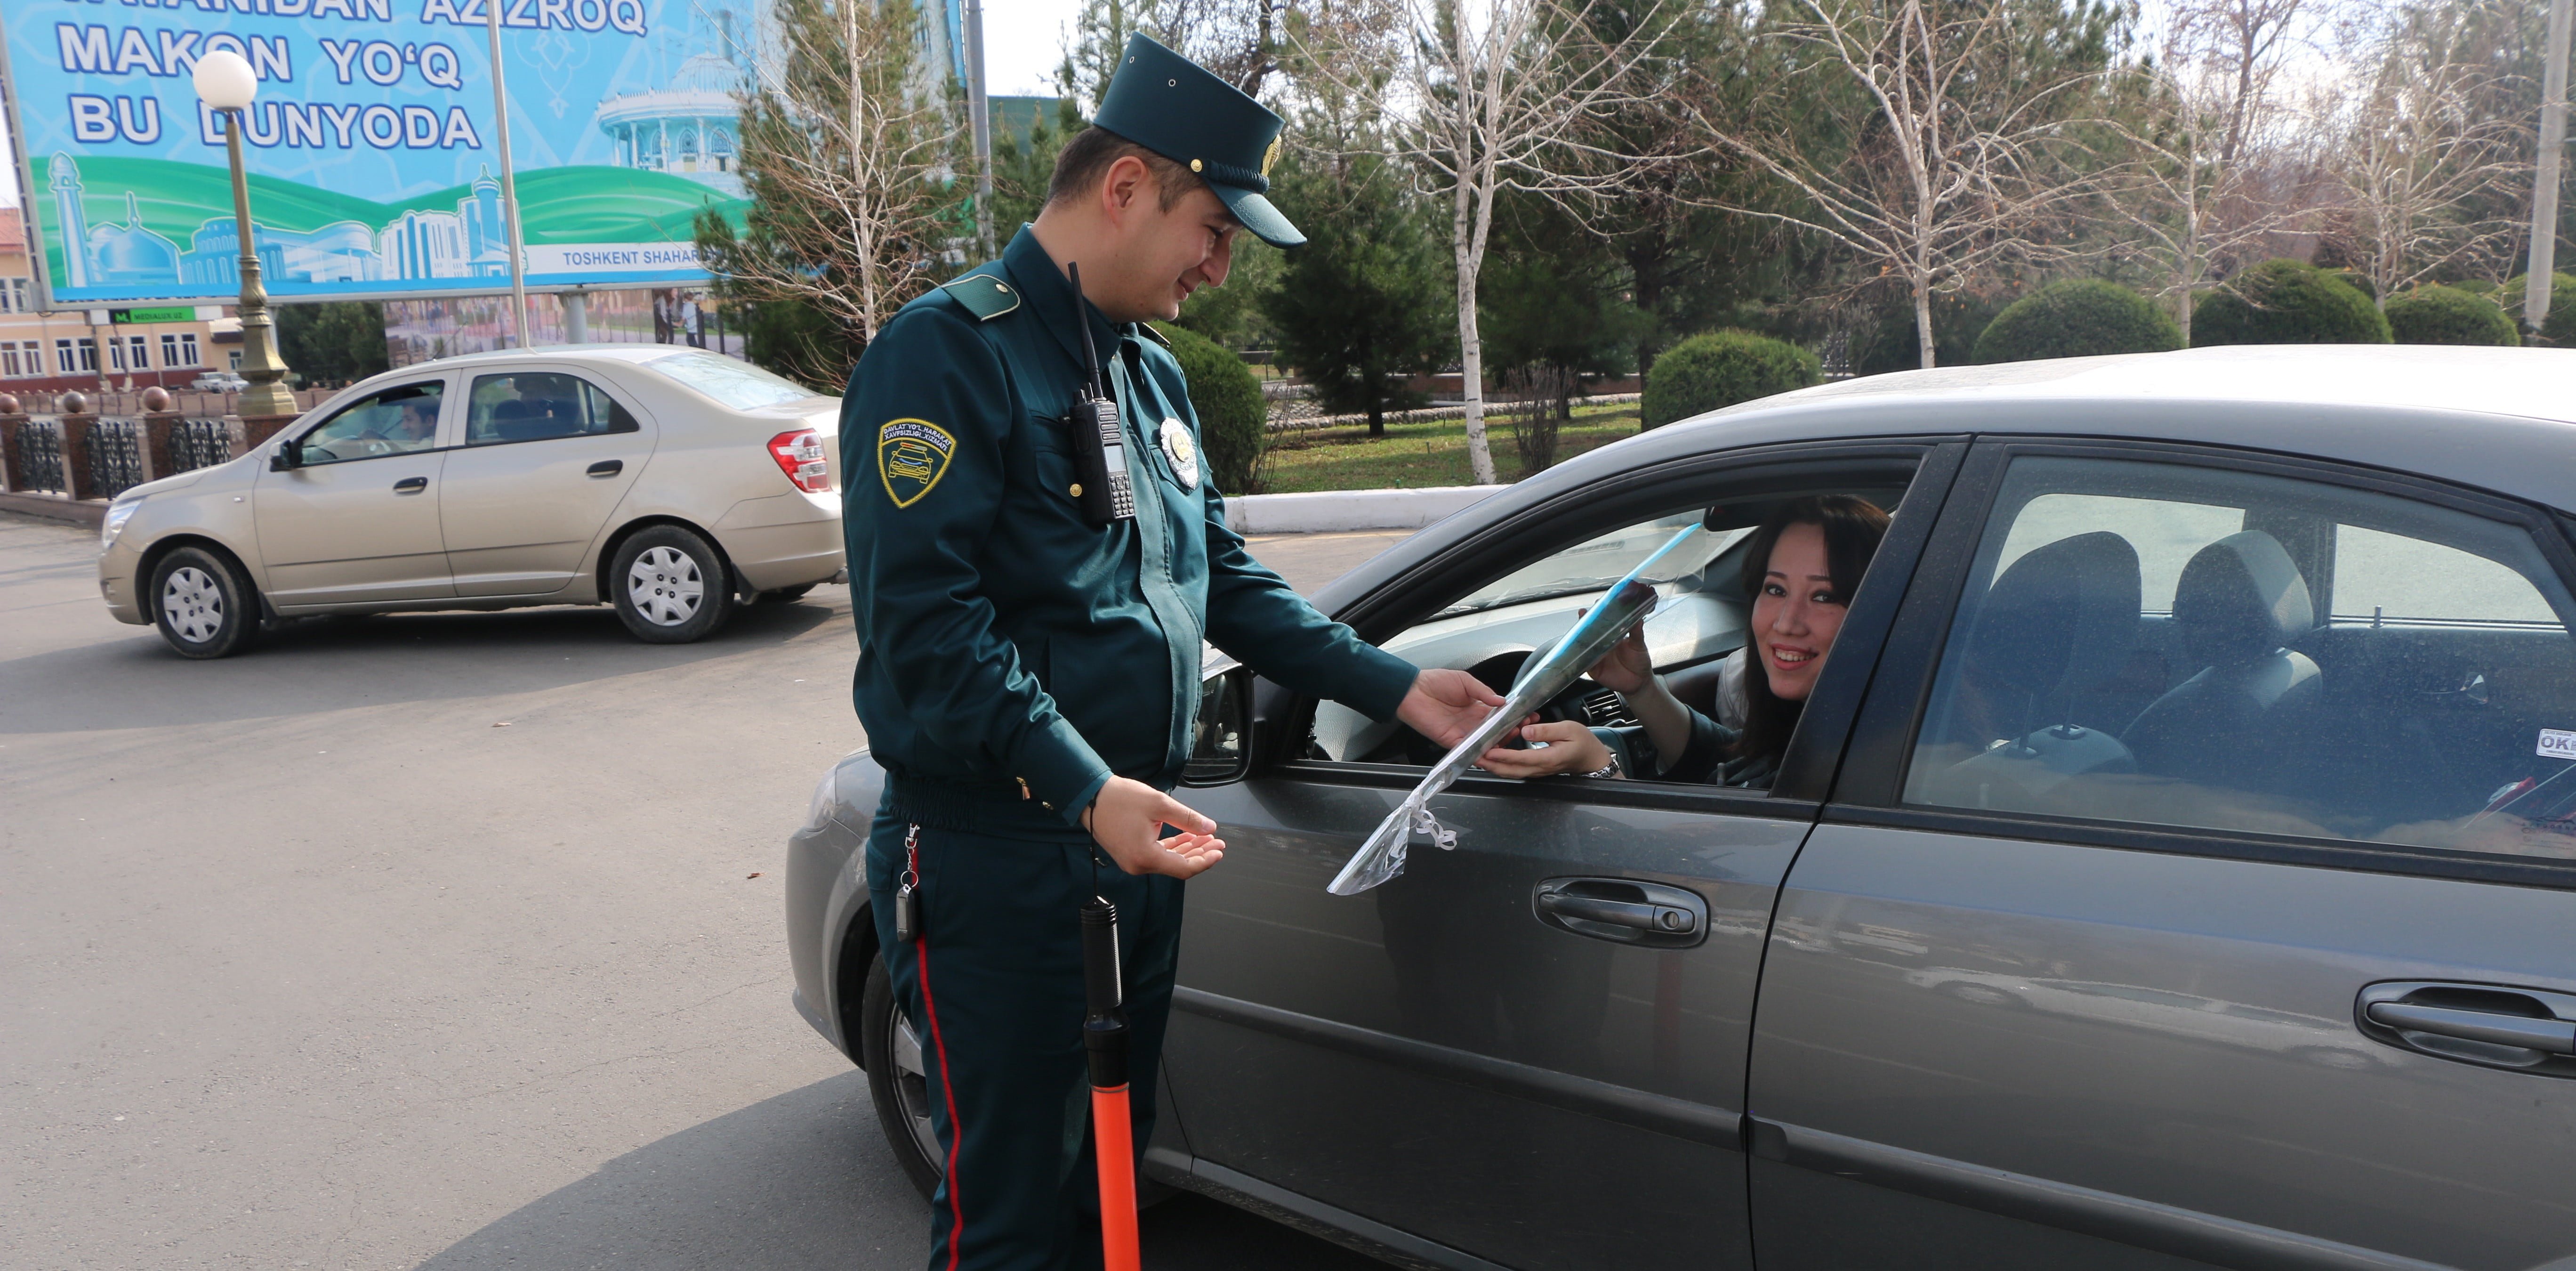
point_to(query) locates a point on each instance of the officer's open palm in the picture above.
(1127, 818)
(1446, 705)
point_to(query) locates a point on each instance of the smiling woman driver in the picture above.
(1812, 553)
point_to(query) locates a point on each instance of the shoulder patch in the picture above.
(912, 455)
(1146, 329)
(984, 296)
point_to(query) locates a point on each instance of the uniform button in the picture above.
(1077, 490)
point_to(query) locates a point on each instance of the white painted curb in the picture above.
(1329, 511)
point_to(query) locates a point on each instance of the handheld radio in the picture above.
(1102, 485)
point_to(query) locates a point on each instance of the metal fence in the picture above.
(199, 443)
(115, 449)
(40, 456)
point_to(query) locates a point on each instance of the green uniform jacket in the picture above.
(1003, 639)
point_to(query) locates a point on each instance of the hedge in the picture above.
(2559, 328)
(2445, 315)
(1721, 368)
(2286, 302)
(2079, 317)
(1233, 417)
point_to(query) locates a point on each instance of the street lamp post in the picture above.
(225, 82)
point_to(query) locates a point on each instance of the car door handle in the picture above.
(1623, 910)
(411, 485)
(608, 467)
(2529, 1029)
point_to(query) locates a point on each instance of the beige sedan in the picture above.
(673, 483)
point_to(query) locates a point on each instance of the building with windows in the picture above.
(78, 348)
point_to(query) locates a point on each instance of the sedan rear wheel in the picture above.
(669, 585)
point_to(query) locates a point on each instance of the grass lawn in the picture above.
(1425, 454)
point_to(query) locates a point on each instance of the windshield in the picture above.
(739, 385)
(1594, 564)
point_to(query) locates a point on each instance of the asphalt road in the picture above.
(444, 941)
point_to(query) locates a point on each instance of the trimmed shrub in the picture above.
(2443, 315)
(1721, 368)
(2559, 328)
(1233, 417)
(2079, 317)
(2286, 302)
(2358, 281)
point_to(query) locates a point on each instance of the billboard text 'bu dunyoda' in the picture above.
(375, 165)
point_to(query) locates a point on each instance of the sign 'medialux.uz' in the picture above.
(374, 157)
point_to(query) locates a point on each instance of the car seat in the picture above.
(2236, 720)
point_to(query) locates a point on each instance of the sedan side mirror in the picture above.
(290, 454)
(1220, 746)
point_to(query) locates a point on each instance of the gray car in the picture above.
(2175, 863)
(668, 482)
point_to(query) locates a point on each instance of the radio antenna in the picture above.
(1090, 354)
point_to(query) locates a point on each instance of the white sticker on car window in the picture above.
(2557, 743)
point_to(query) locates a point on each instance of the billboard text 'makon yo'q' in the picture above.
(373, 152)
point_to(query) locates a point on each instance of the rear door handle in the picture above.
(411, 485)
(2532, 1030)
(608, 467)
(1622, 910)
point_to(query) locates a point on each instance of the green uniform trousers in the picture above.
(993, 984)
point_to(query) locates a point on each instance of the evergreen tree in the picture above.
(1366, 299)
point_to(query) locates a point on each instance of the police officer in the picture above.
(1028, 673)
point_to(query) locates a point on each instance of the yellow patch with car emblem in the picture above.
(912, 455)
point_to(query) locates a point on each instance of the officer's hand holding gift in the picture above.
(1035, 558)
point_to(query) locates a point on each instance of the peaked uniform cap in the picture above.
(1170, 105)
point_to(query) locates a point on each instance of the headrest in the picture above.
(2064, 616)
(511, 409)
(2240, 598)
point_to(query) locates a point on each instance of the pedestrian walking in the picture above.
(1030, 635)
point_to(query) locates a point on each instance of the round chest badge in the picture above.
(1183, 452)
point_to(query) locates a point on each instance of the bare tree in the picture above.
(1973, 139)
(2206, 140)
(1237, 40)
(2417, 156)
(847, 162)
(1505, 95)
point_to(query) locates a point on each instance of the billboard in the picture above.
(373, 148)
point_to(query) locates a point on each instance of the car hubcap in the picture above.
(192, 604)
(665, 586)
(912, 1090)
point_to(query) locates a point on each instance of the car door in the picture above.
(545, 457)
(356, 520)
(2197, 888)
(1527, 1050)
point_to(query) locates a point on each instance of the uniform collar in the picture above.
(1050, 295)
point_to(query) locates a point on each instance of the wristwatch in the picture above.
(1610, 769)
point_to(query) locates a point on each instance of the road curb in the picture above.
(89, 512)
(1328, 511)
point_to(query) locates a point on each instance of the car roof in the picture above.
(633, 354)
(2496, 419)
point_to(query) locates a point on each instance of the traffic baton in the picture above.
(1104, 1036)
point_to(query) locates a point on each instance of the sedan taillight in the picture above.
(800, 456)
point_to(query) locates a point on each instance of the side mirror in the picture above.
(1220, 746)
(290, 454)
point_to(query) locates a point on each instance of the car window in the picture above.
(392, 422)
(2183, 646)
(537, 406)
(1492, 630)
(735, 383)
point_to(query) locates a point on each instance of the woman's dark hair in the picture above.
(1852, 527)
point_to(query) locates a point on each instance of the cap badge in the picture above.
(1182, 451)
(1269, 157)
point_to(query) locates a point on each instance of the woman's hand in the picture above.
(1627, 667)
(1571, 747)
